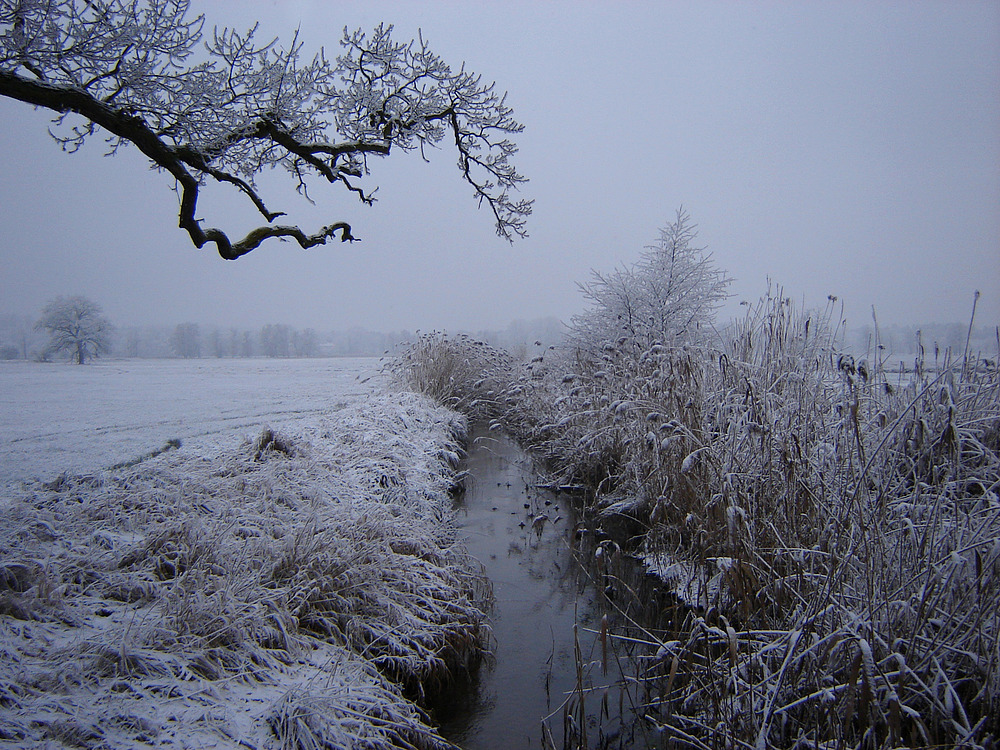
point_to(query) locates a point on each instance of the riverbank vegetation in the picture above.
(831, 523)
(300, 590)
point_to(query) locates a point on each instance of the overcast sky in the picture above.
(846, 148)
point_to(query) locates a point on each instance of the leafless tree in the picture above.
(275, 340)
(186, 340)
(305, 343)
(227, 107)
(669, 296)
(76, 325)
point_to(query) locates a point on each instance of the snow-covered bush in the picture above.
(295, 591)
(459, 372)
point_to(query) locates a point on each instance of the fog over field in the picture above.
(838, 148)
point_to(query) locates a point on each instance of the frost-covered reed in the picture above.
(297, 591)
(460, 372)
(833, 527)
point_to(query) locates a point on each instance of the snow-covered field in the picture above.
(57, 417)
(289, 586)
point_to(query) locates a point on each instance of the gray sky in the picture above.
(848, 148)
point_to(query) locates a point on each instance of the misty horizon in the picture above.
(19, 339)
(846, 150)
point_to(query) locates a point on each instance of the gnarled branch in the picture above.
(134, 130)
(253, 239)
(122, 66)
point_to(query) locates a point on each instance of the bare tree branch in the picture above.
(241, 107)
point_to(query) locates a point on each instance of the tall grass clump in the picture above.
(458, 372)
(831, 523)
(833, 526)
(300, 590)
(845, 551)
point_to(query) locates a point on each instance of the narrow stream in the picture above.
(534, 553)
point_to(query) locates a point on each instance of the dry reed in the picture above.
(833, 526)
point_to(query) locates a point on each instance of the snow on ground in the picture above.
(57, 417)
(267, 588)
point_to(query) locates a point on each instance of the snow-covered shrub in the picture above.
(459, 372)
(292, 589)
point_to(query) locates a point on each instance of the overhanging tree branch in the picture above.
(123, 66)
(134, 130)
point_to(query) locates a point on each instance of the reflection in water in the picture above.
(532, 550)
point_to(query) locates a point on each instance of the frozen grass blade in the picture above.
(317, 572)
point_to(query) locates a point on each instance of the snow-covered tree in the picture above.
(76, 325)
(225, 107)
(275, 340)
(305, 343)
(185, 341)
(669, 296)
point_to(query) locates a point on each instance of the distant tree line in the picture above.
(20, 338)
(192, 340)
(41, 338)
(31, 337)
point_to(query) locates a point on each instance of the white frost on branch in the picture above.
(229, 107)
(669, 296)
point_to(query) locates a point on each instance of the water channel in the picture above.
(552, 591)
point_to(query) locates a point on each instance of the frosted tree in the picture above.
(185, 341)
(225, 107)
(76, 325)
(669, 296)
(275, 340)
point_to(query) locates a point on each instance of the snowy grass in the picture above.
(833, 526)
(300, 589)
